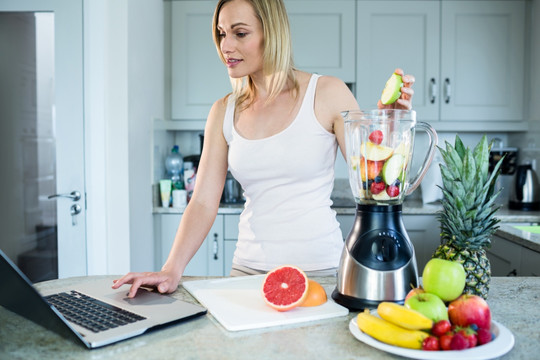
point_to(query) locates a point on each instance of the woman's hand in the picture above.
(405, 100)
(163, 281)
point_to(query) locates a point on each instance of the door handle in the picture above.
(74, 195)
(215, 246)
(432, 90)
(447, 90)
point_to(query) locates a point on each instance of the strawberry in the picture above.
(377, 187)
(470, 335)
(441, 327)
(445, 341)
(431, 343)
(459, 342)
(392, 190)
(484, 336)
(376, 137)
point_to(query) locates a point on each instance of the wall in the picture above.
(533, 98)
(124, 91)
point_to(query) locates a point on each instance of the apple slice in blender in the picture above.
(382, 196)
(375, 152)
(392, 89)
(393, 168)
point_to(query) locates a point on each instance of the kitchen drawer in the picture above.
(231, 227)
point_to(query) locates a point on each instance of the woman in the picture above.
(278, 134)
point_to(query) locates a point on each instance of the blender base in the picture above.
(355, 304)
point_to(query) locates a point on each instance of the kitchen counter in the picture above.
(410, 207)
(513, 302)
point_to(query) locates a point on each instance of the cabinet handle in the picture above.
(512, 273)
(432, 90)
(216, 246)
(447, 90)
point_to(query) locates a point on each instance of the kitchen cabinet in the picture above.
(530, 263)
(328, 49)
(214, 257)
(230, 239)
(423, 231)
(467, 57)
(199, 78)
(208, 261)
(504, 257)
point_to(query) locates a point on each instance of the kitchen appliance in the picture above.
(507, 169)
(232, 191)
(525, 193)
(378, 261)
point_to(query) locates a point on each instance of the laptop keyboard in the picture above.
(91, 313)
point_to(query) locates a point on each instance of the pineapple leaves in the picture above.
(469, 192)
(460, 148)
(469, 170)
(481, 155)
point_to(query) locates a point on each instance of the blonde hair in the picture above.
(277, 56)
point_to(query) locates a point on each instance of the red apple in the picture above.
(414, 291)
(470, 309)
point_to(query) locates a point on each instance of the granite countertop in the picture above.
(513, 302)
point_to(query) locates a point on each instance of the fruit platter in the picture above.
(437, 320)
(502, 343)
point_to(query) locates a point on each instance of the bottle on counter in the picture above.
(189, 179)
(174, 163)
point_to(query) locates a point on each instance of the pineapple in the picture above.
(468, 216)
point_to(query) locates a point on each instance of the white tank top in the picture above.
(287, 180)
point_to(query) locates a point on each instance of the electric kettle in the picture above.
(525, 192)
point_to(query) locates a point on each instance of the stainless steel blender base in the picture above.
(359, 287)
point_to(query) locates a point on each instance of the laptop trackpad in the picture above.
(144, 297)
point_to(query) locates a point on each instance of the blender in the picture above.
(378, 261)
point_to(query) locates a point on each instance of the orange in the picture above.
(285, 287)
(316, 295)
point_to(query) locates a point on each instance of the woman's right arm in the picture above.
(199, 214)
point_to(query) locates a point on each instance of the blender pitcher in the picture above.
(379, 148)
(378, 261)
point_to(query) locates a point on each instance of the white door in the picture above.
(42, 137)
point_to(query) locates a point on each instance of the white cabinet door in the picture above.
(401, 34)
(482, 59)
(504, 257)
(530, 263)
(345, 223)
(423, 230)
(199, 78)
(208, 261)
(230, 230)
(467, 57)
(323, 35)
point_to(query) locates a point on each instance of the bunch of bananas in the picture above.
(397, 325)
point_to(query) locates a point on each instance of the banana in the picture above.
(403, 316)
(389, 333)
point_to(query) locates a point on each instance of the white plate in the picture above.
(503, 343)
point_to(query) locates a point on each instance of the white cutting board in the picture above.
(237, 304)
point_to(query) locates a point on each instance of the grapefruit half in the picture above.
(285, 287)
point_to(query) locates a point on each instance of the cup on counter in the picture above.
(179, 198)
(165, 191)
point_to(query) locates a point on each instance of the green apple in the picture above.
(392, 89)
(375, 152)
(393, 168)
(430, 305)
(444, 278)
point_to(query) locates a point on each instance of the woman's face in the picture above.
(241, 39)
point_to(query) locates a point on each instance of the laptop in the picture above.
(92, 313)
